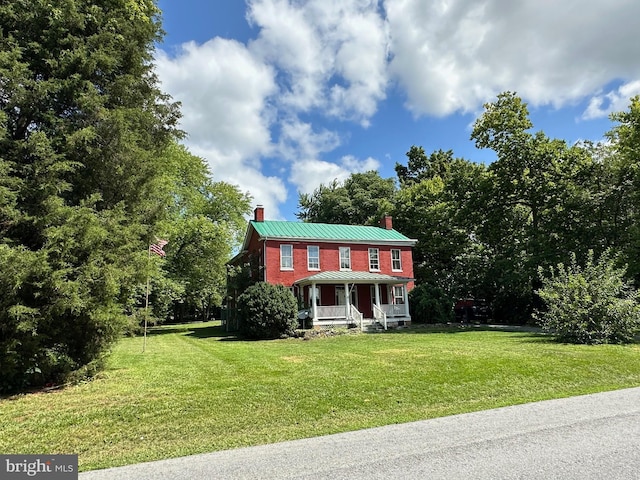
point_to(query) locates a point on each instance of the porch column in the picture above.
(377, 290)
(405, 297)
(314, 301)
(347, 300)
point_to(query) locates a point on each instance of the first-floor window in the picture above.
(398, 294)
(345, 258)
(313, 257)
(286, 257)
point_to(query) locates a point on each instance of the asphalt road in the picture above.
(587, 437)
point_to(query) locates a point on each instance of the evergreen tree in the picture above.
(83, 127)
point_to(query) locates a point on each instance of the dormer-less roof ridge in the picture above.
(276, 229)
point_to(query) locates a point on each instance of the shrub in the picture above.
(430, 304)
(267, 311)
(589, 305)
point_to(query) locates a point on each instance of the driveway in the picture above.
(586, 437)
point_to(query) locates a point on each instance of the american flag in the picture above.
(157, 247)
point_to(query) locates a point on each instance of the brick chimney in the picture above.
(386, 222)
(258, 214)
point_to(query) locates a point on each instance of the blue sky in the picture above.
(279, 96)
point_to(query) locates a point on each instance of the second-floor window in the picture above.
(286, 257)
(345, 258)
(313, 257)
(396, 260)
(374, 259)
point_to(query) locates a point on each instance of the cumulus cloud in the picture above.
(280, 103)
(299, 140)
(614, 101)
(308, 174)
(332, 53)
(224, 93)
(327, 58)
(227, 115)
(454, 55)
(267, 190)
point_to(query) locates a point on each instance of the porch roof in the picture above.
(352, 277)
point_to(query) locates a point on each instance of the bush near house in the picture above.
(591, 304)
(430, 304)
(267, 311)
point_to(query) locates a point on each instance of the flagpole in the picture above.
(155, 248)
(146, 302)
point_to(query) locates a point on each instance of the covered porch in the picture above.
(360, 299)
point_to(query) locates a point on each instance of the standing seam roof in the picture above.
(325, 231)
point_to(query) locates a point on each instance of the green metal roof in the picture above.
(327, 232)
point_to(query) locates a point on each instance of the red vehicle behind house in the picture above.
(472, 310)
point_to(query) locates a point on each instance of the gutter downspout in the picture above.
(264, 259)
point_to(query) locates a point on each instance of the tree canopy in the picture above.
(90, 174)
(360, 200)
(484, 231)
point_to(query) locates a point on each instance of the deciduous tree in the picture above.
(361, 200)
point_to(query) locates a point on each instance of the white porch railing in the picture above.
(394, 310)
(380, 316)
(331, 311)
(339, 312)
(357, 316)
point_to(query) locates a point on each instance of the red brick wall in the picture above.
(330, 260)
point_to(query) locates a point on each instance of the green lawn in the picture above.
(194, 390)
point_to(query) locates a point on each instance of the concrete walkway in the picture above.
(587, 437)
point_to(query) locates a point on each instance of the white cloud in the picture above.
(260, 109)
(224, 92)
(453, 55)
(308, 174)
(269, 191)
(614, 101)
(298, 140)
(325, 57)
(354, 165)
(331, 53)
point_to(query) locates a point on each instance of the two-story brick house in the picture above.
(343, 274)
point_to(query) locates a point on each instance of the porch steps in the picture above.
(372, 325)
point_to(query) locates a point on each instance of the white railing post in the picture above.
(357, 315)
(347, 301)
(379, 314)
(405, 297)
(314, 302)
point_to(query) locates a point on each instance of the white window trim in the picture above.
(309, 267)
(398, 297)
(399, 259)
(371, 268)
(282, 267)
(348, 250)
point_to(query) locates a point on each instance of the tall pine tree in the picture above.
(83, 126)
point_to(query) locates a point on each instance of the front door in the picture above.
(341, 298)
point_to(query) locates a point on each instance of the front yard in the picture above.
(196, 390)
